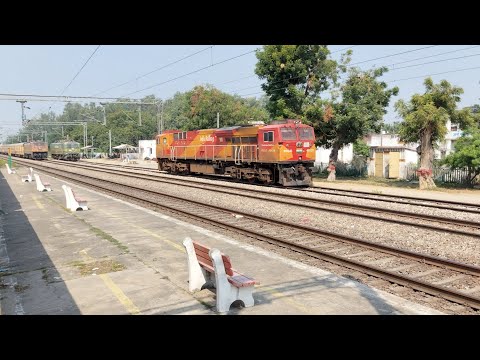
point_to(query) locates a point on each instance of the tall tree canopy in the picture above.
(357, 111)
(295, 75)
(197, 109)
(425, 118)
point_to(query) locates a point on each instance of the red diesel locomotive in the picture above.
(282, 152)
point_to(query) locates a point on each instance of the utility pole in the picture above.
(62, 131)
(22, 102)
(139, 115)
(110, 140)
(104, 114)
(158, 118)
(218, 120)
(161, 119)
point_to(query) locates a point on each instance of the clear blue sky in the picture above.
(47, 70)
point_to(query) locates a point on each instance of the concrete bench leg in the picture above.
(226, 292)
(72, 203)
(26, 178)
(40, 186)
(10, 170)
(67, 196)
(197, 276)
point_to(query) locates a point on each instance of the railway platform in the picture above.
(120, 258)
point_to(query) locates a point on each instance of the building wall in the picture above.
(407, 156)
(411, 157)
(446, 146)
(146, 149)
(345, 154)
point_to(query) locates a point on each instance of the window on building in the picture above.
(454, 128)
(268, 136)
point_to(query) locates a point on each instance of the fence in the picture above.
(342, 169)
(443, 174)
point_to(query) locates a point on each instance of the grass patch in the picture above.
(3, 162)
(98, 267)
(108, 237)
(19, 288)
(45, 275)
(95, 230)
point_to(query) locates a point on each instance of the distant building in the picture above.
(446, 146)
(147, 149)
(389, 157)
(345, 155)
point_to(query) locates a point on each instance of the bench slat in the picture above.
(207, 267)
(204, 260)
(239, 280)
(202, 252)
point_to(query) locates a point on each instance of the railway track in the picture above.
(444, 278)
(408, 200)
(425, 221)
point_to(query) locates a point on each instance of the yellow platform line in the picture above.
(119, 294)
(126, 302)
(39, 205)
(274, 292)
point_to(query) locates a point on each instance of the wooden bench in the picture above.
(28, 177)
(10, 170)
(74, 203)
(208, 266)
(41, 186)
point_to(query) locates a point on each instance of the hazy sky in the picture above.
(47, 70)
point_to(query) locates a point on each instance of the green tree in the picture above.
(391, 128)
(425, 118)
(197, 109)
(295, 75)
(359, 110)
(361, 148)
(467, 154)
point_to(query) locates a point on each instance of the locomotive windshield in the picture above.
(305, 133)
(288, 133)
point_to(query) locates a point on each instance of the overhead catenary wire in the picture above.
(390, 69)
(348, 66)
(347, 48)
(190, 73)
(387, 56)
(155, 70)
(78, 73)
(390, 81)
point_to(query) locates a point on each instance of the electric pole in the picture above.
(22, 102)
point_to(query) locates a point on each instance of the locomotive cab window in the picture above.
(288, 133)
(164, 140)
(306, 134)
(268, 136)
